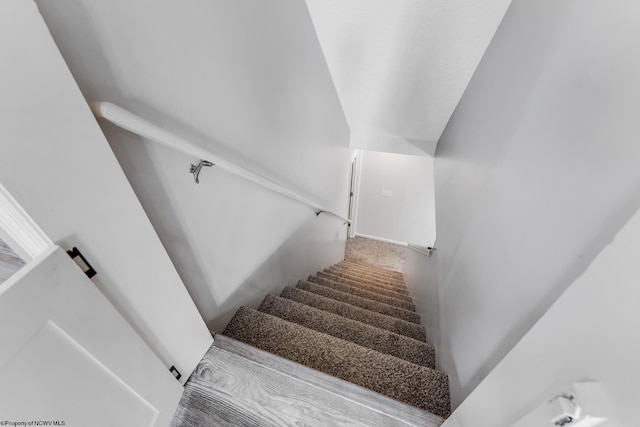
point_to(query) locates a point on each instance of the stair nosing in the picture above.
(428, 384)
(417, 347)
(373, 280)
(200, 385)
(374, 288)
(403, 304)
(371, 269)
(422, 329)
(358, 394)
(411, 313)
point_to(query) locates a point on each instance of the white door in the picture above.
(352, 197)
(57, 164)
(67, 357)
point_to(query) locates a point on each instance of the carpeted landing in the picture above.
(355, 322)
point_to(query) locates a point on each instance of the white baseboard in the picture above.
(382, 239)
(421, 249)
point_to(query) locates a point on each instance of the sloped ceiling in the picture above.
(400, 67)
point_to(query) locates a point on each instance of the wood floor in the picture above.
(238, 385)
(10, 262)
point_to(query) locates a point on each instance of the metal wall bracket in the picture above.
(195, 169)
(82, 262)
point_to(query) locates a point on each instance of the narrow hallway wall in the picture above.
(396, 198)
(245, 80)
(535, 173)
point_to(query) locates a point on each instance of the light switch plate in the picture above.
(387, 193)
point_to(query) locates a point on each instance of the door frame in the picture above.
(18, 230)
(354, 185)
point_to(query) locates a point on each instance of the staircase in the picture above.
(354, 323)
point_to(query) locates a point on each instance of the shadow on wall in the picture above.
(535, 174)
(230, 240)
(315, 245)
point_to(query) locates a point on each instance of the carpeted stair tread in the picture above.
(402, 414)
(357, 301)
(369, 277)
(370, 274)
(236, 384)
(372, 268)
(384, 290)
(393, 324)
(407, 382)
(367, 264)
(381, 340)
(362, 292)
(365, 286)
(397, 280)
(362, 278)
(397, 287)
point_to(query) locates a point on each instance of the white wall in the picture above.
(535, 173)
(421, 276)
(400, 67)
(56, 163)
(408, 215)
(246, 80)
(589, 333)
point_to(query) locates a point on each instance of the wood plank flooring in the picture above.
(251, 389)
(10, 262)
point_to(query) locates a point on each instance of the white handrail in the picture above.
(135, 124)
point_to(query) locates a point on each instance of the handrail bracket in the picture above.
(195, 170)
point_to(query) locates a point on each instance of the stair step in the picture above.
(229, 389)
(348, 274)
(397, 277)
(396, 281)
(384, 290)
(419, 386)
(370, 267)
(381, 340)
(399, 412)
(336, 271)
(362, 292)
(349, 311)
(378, 307)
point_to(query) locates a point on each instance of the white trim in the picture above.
(19, 230)
(424, 250)
(382, 239)
(135, 124)
(357, 160)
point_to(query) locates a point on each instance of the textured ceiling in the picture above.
(400, 67)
